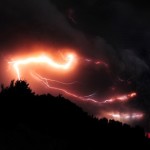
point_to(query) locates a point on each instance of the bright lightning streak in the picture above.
(51, 80)
(43, 59)
(69, 61)
(101, 63)
(116, 116)
(91, 95)
(97, 62)
(45, 82)
(122, 98)
(84, 98)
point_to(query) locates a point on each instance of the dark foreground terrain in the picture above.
(29, 121)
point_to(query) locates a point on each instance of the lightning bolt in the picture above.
(52, 80)
(91, 95)
(84, 98)
(121, 98)
(45, 60)
(69, 61)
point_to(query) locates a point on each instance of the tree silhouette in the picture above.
(18, 88)
(30, 121)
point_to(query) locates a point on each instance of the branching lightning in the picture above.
(69, 61)
(84, 98)
(91, 95)
(44, 60)
(122, 98)
(52, 80)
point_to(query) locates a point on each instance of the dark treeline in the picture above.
(29, 121)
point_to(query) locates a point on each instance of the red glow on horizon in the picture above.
(126, 116)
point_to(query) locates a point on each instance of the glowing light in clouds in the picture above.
(121, 98)
(67, 64)
(126, 116)
(46, 81)
(70, 59)
(43, 59)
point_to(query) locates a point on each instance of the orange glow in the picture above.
(52, 80)
(126, 116)
(43, 60)
(122, 98)
(46, 81)
(66, 63)
(133, 94)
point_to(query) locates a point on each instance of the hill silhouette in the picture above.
(30, 121)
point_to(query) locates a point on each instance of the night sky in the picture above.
(109, 38)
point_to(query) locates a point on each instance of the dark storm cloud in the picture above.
(123, 24)
(119, 33)
(36, 18)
